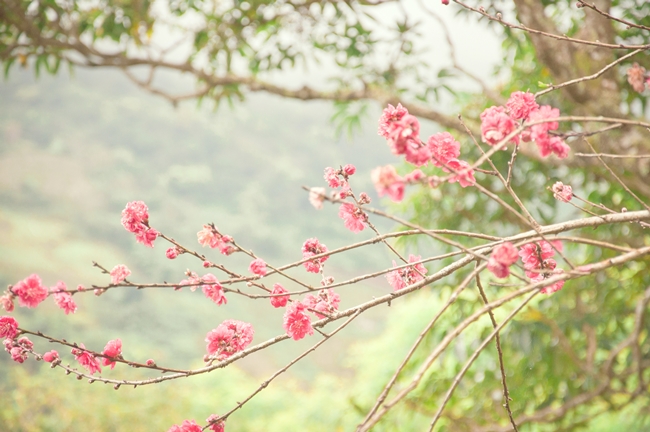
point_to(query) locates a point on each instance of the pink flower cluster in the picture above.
(325, 302)
(257, 267)
(338, 178)
(7, 301)
(216, 426)
(8, 327)
(63, 299)
(297, 323)
(228, 338)
(539, 265)
(498, 122)
(86, 359)
(192, 426)
(503, 256)
(112, 350)
(353, 217)
(212, 288)
(135, 219)
(210, 236)
(403, 277)
(636, 76)
(279, 301)
(310, 248)
(18, 349)
(562, 192)
(30, 291)
(119, 274)
(51, 356)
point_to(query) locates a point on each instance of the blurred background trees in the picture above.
(75, 151)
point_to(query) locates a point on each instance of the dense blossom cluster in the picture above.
(562, 192)
(503, 256)
(539, 265)
(325, 302)
(192, 426)
(257, 267)
(18, 349)
(210, 236)
(8, 327)
(112, 351)
(135, 219)
(297, 323)
(403, 277)
(230, 337)
(119, 274)
(30, 291)
(310, 248)
(63, 299)
(637, 77)
(353, 217)
(86, 359)
(280, 300)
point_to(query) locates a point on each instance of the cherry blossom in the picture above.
(210, 236)
(503, 256)
(389, 115)
(636, 77)
(562, 192)
(388, 182)
(258, 267)
(544, 112)
(86, 359)
(213, 290)
(496, 125)
(112, 350)
(228, 338)
(296, 321)
(332, 178)
(310, 248)
(135, 217)
(7, 302)
(186, 426)
(317, 197)
(443, 148)
(326, 301)
(463, 173)
(216, 426)
(353, 217)
(172, 252)
(18, 350)
(51, 356)
(403, 277)
(349, 169)
(520, 105)
(119, 273)
(8, 327)
(63, 299)
(279, 301)
(30, 291)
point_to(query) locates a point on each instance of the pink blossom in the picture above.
(353, 217)
(147, 237)
(496, 125)
(549, 289)
(364, 198)
(349, 169)
(19, 350)
(7, 302)
(210, 236)
(119, 273)
(81, 288)
(186, 426)
(635, 76)
(414, 176)
(332, 177)
(150, 362)
(417, 153)
(296, 321)
(544, 112)
(228, 338)
(279, 301)
(30, 291)
(503, 256)
(112, 350)
(317, 197)
(207, 264)
(562, 192)
(64, 300)
(216, 426)
(172, 252)
(389, 115)
(403, 277)
(387, 182)
(310, 248)
(443, 148)
(404, 138)
(539, 265)
(325, 302)
(445, 2)
(192, 279)
(520, 105)
(258, 267)
(8, 327)
(463, 174)
(531, 253)
(51, 356)
(86, 359)
(135, 217)
(214, 290)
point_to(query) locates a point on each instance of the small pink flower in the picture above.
(503, 256)
(51, 356)
(186, 426)
(119, 273)
(635, 76)
(310, 248)
(387, 182)
(414, 176)
(216, 426)
(417, 153)
(81, 288)
(403, 132)
(214, 290)
(65, 302)
(364, 198)
(521, 104)
(279, 301)
(317, 197)
(210, 236)
(353, 217)
(296, 321)
(550, 289)
(403, 277)
(562, 192)
(147, 237)
(258, 267)
(86, 359)
(443, 148)
(326, 301)
(112, 350)
(19, 350)
(172, 252)
(463, 174)
(349, 170)
(8, 327)
(389, 115)
(135, 217)
(150, 362)
(7, 302)
(544, 112)
(496, 125)
(228, 338)
(332, 178)
(30, 291)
